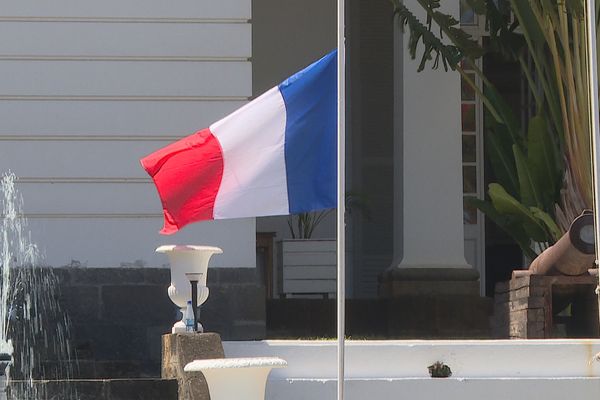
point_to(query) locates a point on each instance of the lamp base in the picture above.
(179, 327)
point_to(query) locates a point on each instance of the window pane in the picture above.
(467, 15)
(469, 214)
(466, 91)
(468, 117)
(469, 148)
(469, 179)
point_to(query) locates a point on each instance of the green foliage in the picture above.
(543, 161)
(527, 184)
(302, 226)
(500, 155)
(448, 54)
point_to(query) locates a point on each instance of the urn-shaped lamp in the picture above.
(187, 259)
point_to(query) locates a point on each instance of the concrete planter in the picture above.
(308, 267)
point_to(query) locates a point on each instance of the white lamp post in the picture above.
(187, 259)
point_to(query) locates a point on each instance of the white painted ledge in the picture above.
(446, 389)
(573, 358)
(382, 370)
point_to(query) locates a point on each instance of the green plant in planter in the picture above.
(302, 225)
(543, 171)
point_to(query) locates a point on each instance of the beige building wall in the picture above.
(88, 89)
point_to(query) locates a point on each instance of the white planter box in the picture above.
(308, 267)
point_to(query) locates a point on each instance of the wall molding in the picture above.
(90, 138)
(78, 180)
(120, 98)
(9, 57)
(143, 20)
(89, 215)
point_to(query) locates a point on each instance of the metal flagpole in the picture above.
(593, 98)
(341, 196)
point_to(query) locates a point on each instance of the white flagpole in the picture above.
(593, 98)
(341, 193)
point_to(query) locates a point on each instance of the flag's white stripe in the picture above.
(254, 175)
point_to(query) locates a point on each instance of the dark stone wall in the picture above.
(118, 315)
(100, 389)
(406, 317)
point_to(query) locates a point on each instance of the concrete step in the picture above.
(94, 389)
(95, 369)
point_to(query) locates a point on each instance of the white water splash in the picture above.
(33, 329)
(13, 244)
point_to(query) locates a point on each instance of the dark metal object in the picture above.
(194, 284)
(581, 232)
(439, 370)
(194, 278)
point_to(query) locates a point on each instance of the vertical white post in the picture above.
(341, 193)
(593, 98)
(433, 230)
(428, 233)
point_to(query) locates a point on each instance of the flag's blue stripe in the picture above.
(310, 135)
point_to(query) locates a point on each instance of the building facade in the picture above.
(93, 88)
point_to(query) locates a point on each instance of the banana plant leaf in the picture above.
(527, 188)
(498, 149)
(547, 220)
(506, 114)
(508, 224)
(542, 160)
(504, 203)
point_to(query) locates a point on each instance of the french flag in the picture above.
(274, 156)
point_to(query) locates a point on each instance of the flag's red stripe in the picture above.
(187, 174)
